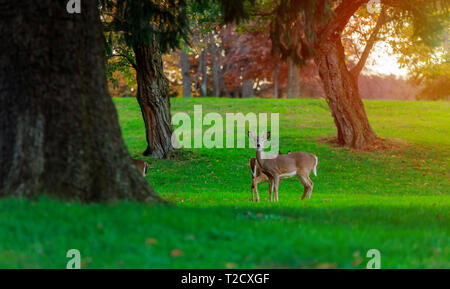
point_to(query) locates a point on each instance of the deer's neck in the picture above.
(259, 157)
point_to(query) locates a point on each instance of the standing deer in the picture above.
(141, 166)
(285, 166)
(257, 177)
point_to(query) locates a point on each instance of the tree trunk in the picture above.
(236, 92)
(215, 65)
(59, 131)
(197, 83)
(247, 88)
(222, 83)
(342, 95)
(276, 82)
(293, 80)
(186, 72)
(204, 85)
(154, 100)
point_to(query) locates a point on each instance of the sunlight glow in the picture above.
(383, 62)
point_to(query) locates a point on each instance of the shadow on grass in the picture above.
(145, 236)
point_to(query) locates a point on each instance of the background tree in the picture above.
(185, 71)
(293, 79)
(428, 66)
(248, 59)
(323, 23)
(205, 19)
(59, 132)
(148, 28)
(435, 78)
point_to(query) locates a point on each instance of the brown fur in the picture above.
(141, 166)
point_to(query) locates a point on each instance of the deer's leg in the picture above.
(256, 191)
(270, 188)
(311, 186)
(276, 183)
(305, 185)
(253, 197)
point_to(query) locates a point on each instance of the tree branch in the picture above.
(262, 13)
(128, 58)
(382, 19)
(343, 13)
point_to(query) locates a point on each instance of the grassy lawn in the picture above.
(395, 201)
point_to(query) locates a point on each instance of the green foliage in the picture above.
(436, 88)
(145, 21)
(293, 28)
(395, 201)
(428, 66)
(167, 23)
(130, 22)
(296, 24)
(119, 58)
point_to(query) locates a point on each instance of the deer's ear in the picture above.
(250, 135)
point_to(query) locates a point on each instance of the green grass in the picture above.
(394, 201)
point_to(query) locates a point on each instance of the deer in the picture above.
(298, 164)
(257, 177)
(141, 166)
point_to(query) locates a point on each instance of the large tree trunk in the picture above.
(293, 80)
(186, 72)
(154, 100)
(59, 131)
(342, 95)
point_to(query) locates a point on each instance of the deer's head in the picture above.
(259, 140)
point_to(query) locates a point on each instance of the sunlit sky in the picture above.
(383, 61)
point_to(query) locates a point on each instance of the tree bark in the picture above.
(59, 131)
(154, 100)
(342, 95)
(247, 88)
(186, 72)
(293, 80)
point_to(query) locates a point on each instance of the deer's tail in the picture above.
(315, 166)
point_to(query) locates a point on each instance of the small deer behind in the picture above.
(141, 166)
(257, 177)
(298, 164)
